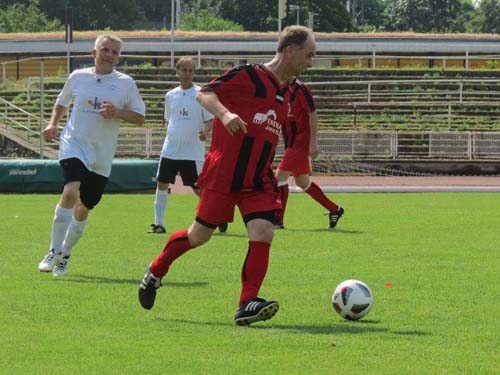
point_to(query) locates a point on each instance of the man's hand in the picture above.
(233, 123)
(50, 132)
(108, 110)
(202, 136)
(313, 150)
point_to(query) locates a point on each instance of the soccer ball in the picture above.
(352, 299)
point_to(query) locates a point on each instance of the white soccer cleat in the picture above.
(61, 268)
(49, 261)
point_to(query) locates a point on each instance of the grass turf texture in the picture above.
(440, 251)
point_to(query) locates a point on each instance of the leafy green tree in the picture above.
(22, 17)
(367, 14)
(207, 20)
(332, 15)
(98, 14)
(488, 17)
(428, 15)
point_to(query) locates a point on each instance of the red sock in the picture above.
(284, 191)
(317, 194)
(254, 270)
(177, 244)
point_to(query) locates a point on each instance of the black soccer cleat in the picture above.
(335, 217)
(279, 226)
(157, 229)
(147, 290)
(223, 228)
(255, 310)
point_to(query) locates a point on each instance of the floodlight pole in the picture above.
(297, 8)
(42, 107)
(280, 12)
(172, 31)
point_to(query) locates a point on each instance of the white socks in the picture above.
(62, 218)
(74, 233)
(160, 206)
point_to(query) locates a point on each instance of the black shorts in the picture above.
(169, 168)
(91, 184)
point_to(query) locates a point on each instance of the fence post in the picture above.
(461, 92)
(199, 58)
(42, 106)
(369, 94)
(374, 58)
(466, 59)
(28, 90)
(469, 145)
(430, 144)
(148, 143)
(449, 116)
(355, 114)
(4, 78)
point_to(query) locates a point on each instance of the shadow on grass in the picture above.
(324, 230)
(360, 327)
(231, 235)
(348, 327)
(107, 280)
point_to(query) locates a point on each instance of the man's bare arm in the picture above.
(313, 128)
(108, 110)
(231, 121)
(58, 112)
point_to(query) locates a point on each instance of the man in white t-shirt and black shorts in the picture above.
(102, 97)
(183, 152)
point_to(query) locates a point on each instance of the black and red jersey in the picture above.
(296, 132)
(242, 162)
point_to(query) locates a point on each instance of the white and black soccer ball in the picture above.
(352, 299)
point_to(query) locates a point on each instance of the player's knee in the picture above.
(199, 234)
(260, 230)
(162, 185)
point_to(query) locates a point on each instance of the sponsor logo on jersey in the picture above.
(269, 120)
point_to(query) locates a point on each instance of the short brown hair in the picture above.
(293, 35)
(184, 60)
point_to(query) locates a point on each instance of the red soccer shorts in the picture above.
(216, 208)
(295, 161)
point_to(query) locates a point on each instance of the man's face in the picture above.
(107, 55)
(302, 56)
(185, 73)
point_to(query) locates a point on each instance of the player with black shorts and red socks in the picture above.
(300, 135)
(250, 107)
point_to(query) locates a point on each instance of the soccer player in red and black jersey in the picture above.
(250, 105)
(300, 135)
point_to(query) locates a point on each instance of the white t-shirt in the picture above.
(185, 118)
(87, 135)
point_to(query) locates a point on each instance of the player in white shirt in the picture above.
(102, 98)
(183, 152)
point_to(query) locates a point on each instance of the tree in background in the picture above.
(488, 17)
(368, 15)
(332, 15)
(26, 17)
(207, 20)
(98, 14)
(425, 16)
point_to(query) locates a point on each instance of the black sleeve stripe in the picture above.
(285, 136)
(260, 88)
(223, 78)
(293, 127)
(264, 157)
(309, 98)
(242, 164)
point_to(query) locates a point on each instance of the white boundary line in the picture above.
(403, 189)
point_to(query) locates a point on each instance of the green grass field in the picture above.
(440, 251)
